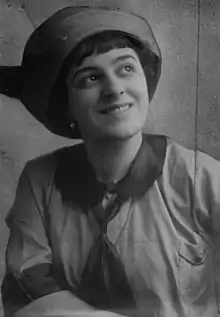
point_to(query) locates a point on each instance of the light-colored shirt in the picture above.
(166, 230)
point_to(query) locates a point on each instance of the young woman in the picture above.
(124, 222)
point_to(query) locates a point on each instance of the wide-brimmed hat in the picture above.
(49, 46)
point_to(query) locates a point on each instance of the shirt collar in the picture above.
(146, 167)
(77, 180)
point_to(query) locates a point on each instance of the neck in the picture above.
(112, 158)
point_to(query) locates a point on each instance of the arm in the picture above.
(207, 196)
(195, 177)
(29, 287)
(69, 306)
(28, 255)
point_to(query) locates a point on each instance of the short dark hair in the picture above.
(101, 42)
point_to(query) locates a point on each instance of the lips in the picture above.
(116, 108)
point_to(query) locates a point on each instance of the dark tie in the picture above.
(104, 283)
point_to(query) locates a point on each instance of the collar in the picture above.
(146, 167)
(76, 179)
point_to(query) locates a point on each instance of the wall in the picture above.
(209, 79)
(174, 110)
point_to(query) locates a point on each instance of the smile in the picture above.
(117, 109)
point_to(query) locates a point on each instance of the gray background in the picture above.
(174, 109)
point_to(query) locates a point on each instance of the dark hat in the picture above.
(49, 46)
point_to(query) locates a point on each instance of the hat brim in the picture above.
(11, 81)
(51, 43)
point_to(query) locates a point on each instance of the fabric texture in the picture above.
(104, 282)
(163, 227)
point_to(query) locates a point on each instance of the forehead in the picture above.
(107, 59)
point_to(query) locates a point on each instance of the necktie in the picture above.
(104, 283)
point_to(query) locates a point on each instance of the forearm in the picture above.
(43, 298)
(63, 304)
(35, 282)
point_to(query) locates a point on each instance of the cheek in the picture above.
(140, 86)
(85, 97)
(142, 97)
(82, 104)
(141, 93)
(78, 102)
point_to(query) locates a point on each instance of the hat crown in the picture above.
(50, 44)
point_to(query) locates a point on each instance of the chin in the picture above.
(123, 133)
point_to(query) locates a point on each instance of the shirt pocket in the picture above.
(195, 272)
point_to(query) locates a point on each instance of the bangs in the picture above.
(102, 43)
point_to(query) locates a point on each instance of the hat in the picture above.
(52, 42)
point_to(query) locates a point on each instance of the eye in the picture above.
(128, 68)
(86, 81)
(91, 78)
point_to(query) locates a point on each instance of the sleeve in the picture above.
(29, 270)
(195, 181)
(207, 209)
(29, 287)
(207, 195)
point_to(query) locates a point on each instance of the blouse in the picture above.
(166, 228)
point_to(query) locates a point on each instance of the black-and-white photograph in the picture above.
(110, 158)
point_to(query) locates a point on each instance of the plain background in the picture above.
(185, 106)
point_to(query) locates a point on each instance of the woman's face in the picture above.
(108, 95)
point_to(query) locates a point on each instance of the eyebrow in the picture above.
(92, 68)
(124, 57)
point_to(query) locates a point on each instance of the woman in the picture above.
(124, 222)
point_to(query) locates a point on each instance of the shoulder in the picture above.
(42, 168)
(179, 158)
(184, 162)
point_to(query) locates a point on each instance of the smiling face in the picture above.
(108, 95)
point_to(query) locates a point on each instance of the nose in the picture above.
(112, 88)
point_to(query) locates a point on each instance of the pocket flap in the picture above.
(193, 253)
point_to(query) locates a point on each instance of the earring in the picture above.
(73, 125)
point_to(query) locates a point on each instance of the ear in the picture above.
(69, 116)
